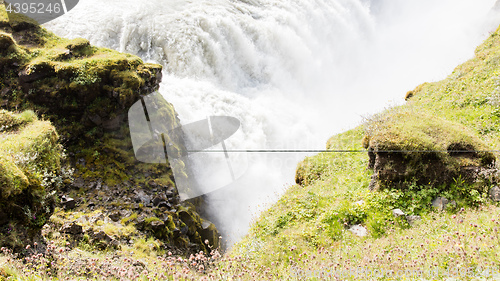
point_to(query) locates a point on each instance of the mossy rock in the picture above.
(308, 171)
(210, 234)
(12, 179)
(76, 85)
(86, 92)
(406, 146)
(78, 46)
(30, 158)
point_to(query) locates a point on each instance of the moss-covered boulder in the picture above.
(86, 92)
(407, 146)
(79, 86)
(30, 168)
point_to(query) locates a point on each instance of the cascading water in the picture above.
(293, 72)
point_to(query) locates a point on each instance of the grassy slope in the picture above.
(306, 218)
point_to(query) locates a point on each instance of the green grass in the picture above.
(470, 95)
(462, 109)
(28, 153)
(30, 167)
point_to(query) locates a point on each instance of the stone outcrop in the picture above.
(406, 147)
(86, 92)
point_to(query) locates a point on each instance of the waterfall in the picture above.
(293, 72)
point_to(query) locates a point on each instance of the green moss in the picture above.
(80, 47)
(28, 116)
(12, 179)
(30, 158)
(151, 219)
(10, 121)
(34, 148)
(58, 72)
(418, 135)
(170, 223)
(128, 219)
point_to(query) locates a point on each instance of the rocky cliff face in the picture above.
(86, 92)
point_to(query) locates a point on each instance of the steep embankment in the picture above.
(111, 200)
(437, 146)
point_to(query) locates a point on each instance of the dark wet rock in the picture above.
(103, 240)
(72, 228)
(5, 42)
(115, 216)
(164, 204)
(79, 182)
(184, 229)
(67, 202)
(42, 71)
(4, 92)
(4, 218)
(170, 193)
(190, 222)
(209, 234)
(159, 229)
(96, 119)
(126, 213)
(102, 236)
(157, 225)
(114, 123)
(141, 223)
(156, 201)
(176, 233)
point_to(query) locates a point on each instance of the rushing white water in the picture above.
(292, 71)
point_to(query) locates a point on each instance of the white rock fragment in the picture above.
(358, 230)
(360, 202)
(398, 212)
